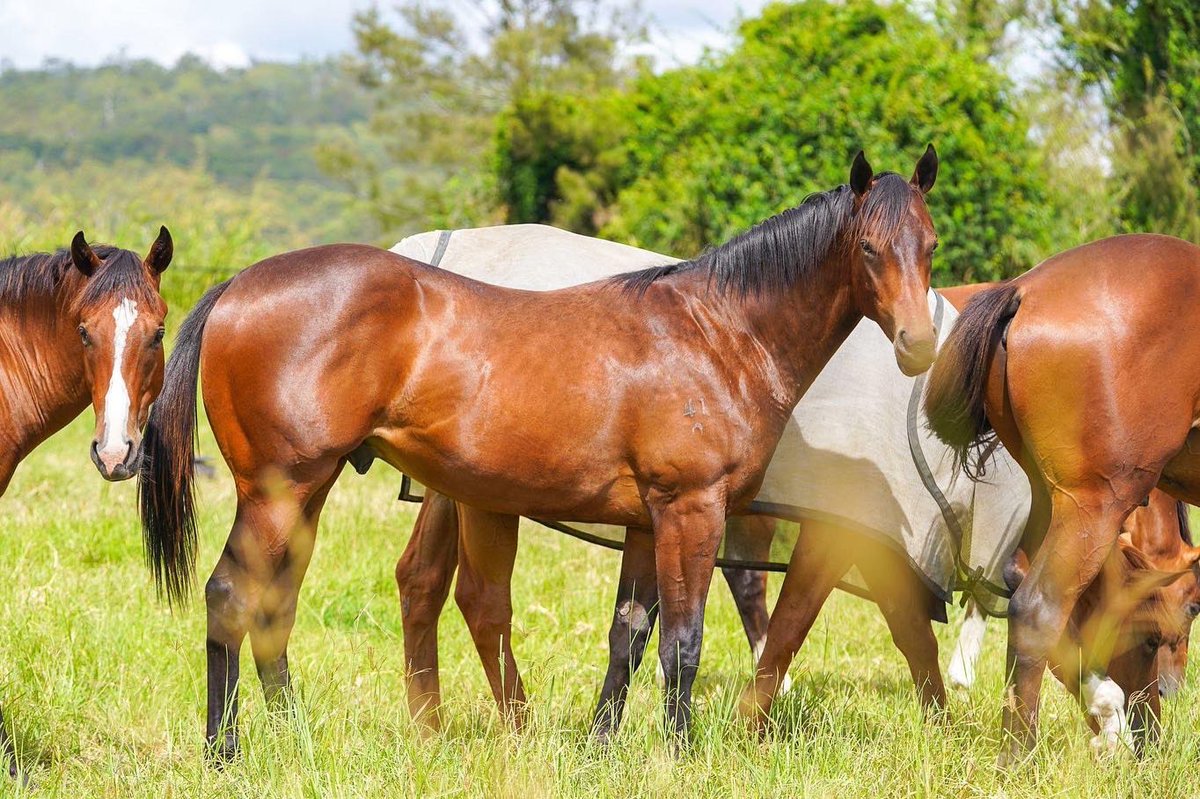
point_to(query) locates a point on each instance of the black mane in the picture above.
(779, 252)
(41, 275)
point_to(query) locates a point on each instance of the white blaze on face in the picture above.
(116, 400)
(966, 651)
(1106, 702)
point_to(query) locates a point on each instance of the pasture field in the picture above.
(105, 687)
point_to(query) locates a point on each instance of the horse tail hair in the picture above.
(165, 494)
(958, 380)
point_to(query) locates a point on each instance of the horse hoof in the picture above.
(1109, 744)
(223, 753)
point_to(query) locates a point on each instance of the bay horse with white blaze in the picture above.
(652, 400)
(80, 326)
(1087, 369)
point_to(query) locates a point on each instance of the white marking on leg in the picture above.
(966, 651)
(116, 400)
(1105, 700)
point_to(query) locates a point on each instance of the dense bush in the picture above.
(686, 158)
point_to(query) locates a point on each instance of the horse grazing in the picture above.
(1149, 596)
(652, 400)
(1087, 369)
(78, 326)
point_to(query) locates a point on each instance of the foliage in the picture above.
(104, 688)
(217, 231)
(1144, 56)
(687, 158)
(241, 124)
(424, 159)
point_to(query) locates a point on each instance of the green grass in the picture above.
(105, 687)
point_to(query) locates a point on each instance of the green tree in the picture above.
(425, 157)
(1144, 56)
(687, 158)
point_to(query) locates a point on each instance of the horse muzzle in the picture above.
(117, 463)
(915, 353)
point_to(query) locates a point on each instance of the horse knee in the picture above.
(1034, 625)
(227, 611)
(632, 620)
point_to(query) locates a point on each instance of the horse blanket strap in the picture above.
(440, 250)
(968, 579)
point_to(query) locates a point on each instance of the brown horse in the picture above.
(82, 325)
(652, 400)
(824, 554)
(1150, 595)
(1087, 369)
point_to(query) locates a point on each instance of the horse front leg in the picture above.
(424, 574)
(633, 621)
(904, 601)
(1083, 528)
(687, 534)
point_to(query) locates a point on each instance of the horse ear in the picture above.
(926, 171)
(1142, 573)
(860, 174)
(83, 256)
(159, 257)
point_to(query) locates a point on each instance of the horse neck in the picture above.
(41, 371)
(799, 330)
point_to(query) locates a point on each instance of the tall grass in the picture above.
(104, 687)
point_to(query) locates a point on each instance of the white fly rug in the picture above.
(856, 451)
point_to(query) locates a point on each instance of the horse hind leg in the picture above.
(633, 622)
(1083, 527)
(424, 574)
(260, 548)
(487, 552)
(272, 624)
(748, 539)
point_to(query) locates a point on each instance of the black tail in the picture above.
(958, 380)
(168, 447)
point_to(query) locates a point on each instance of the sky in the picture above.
(231, 32)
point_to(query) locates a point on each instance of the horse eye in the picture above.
(933, 249)
(1153, 643)
(83, 336)
(159, 335)
(866, 247)
(1193, 610)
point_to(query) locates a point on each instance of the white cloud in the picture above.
(231, 32)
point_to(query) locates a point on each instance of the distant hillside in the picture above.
(226, 158)
(241, 124)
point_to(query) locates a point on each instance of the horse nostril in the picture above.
(902, 337)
